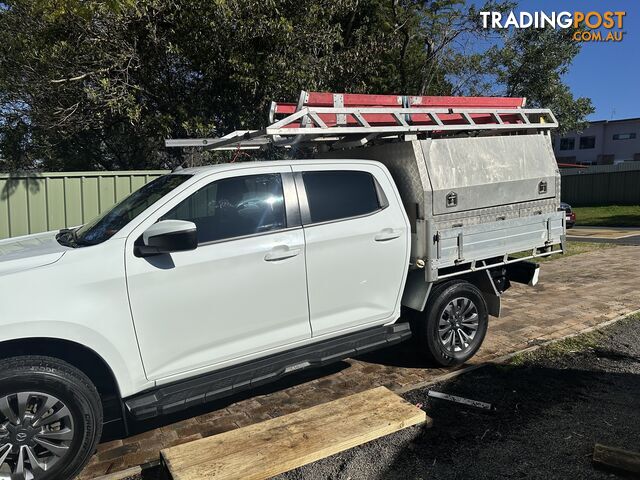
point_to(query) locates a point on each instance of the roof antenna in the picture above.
(179, 167)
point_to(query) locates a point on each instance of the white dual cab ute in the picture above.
(210, 280)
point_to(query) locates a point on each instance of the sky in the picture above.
(606, 72)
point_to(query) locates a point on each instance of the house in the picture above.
(604, 142)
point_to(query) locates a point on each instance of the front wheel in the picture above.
(50, 418)
(454, 323)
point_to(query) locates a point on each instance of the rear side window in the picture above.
(334, 195)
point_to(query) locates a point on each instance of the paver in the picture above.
(618, 281)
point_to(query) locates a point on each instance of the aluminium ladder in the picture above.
(351, 120)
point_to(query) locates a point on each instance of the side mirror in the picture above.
(167, 236)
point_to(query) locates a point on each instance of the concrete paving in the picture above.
(619, 236)
(574, 293)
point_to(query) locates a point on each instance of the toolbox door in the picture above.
(476, 173)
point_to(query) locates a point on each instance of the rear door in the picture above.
(357, 243)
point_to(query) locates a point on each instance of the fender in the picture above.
(127, 383)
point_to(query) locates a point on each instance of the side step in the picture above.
(212, 386)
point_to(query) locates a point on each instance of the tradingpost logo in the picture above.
(589, 26)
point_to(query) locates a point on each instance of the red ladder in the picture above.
(358, 100)
(341, 120)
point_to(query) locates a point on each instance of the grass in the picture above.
(576, 248)
(579, 343)
(608, 216)
(567, 346)
(573, 248)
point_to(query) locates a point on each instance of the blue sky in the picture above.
(606, 72)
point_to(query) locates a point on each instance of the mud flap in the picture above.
(524, 272)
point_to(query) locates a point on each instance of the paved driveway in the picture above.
(574, 293)
(620, 236)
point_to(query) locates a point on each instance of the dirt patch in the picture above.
(553, 405)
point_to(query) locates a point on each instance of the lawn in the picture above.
(575, 248)
(609, 216)
(572, 248)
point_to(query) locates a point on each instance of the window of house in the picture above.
(624, 136)
(234, 207)
(587, 142)
(567, 143)
(334, 195)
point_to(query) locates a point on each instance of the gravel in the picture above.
(551, 408)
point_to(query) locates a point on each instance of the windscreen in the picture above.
(110, 222)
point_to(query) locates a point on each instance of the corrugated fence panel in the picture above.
(38, 202)
(73, 205)
(56, 203)
(90, 198)
(106, 193)
(4, 210)
(37, 191)
(18, 208)
(606, 187)
(123, 187)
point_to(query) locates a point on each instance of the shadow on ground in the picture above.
(404, 355)
(551, 410)
(282, 384)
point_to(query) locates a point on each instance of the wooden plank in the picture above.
(275, 446)
(617, 458)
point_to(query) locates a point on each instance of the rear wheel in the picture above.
(50, 419)
(454, 323)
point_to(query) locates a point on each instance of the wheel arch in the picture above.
(418, 292)
(80, 356)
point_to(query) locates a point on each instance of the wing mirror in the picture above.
(167, 236)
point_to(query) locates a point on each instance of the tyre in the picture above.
(50, 418)
(454, 323)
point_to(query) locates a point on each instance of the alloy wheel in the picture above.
(458, 324)
(36, 430)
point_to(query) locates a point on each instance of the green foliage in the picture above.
(89, 84)
(531, 64)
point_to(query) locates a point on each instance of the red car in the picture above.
(571, 216)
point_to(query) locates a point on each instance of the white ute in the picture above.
(210, 280)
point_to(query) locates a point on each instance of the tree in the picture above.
(531, 64)
(100, 84)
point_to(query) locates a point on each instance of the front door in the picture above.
(241, 292)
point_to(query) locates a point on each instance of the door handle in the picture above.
(281, 252)
(387, 234)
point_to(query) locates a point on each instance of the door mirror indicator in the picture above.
(167, 236)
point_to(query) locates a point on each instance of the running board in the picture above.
(212, 386)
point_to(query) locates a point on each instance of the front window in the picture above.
(110, 222)
(234, 207)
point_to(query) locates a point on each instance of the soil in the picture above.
(551, 408)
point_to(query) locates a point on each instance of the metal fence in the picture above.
(602, 185)
(38, 202)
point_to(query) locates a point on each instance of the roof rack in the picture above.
(365, 118)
